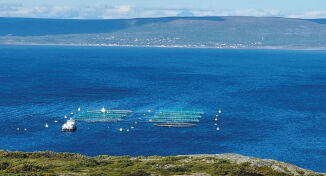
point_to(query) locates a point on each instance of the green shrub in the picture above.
(177, 169)
(99, 173)
(170, 160)
(154, 157)
(140, 157)
(139, 173)
(4, 165)
(26, 167)
(13, 155)
(300, 172)
(89, 163)
(102, 157)
(123, 163)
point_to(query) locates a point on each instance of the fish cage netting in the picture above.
(102, 115)
(174, 124)
(177, 117)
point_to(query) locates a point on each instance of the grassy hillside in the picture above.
(51, 163)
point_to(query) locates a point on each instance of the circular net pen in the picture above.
(177, 117)
(101, 115)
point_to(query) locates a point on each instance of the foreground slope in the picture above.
(216, 32)
(51, 163)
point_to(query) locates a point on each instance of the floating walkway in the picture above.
(177, 117)
(179, 125)
(103, 115)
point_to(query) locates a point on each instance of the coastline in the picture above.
(170, 46)
(53, 163)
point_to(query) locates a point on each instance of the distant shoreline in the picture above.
(171, 46)
(228, 32)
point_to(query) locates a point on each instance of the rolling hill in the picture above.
(214, 32)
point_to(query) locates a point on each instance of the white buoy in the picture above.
(218, 128)
(144, 114)
(46, 125)
(127, 130)
(71, 113)
(132, 127)
(65, 117)
(55, 121)
(103, 110)
(79, 109)
(149, 110)
(219, 111)
(25, 129)
(216, 119)
(216, 115)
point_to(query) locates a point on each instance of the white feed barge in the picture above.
(69, 126)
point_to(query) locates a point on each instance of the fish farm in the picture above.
(177, 117)
(102, 115)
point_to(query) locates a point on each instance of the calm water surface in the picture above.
(273, 102)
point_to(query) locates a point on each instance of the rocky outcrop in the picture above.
(257, 162)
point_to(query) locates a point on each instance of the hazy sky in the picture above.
(106, 9)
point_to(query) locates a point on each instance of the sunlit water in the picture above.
(273, 102)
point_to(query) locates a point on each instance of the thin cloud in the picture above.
(255, 12)
(9, 7)
(244, 12)
(80, 12)
(104, 11)
(310, 15)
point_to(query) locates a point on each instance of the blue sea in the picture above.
(273, 102)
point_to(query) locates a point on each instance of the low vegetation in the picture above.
(52, 163)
